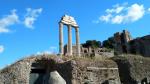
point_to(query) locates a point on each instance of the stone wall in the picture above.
(121, 42)
(17, 73)
(133, 69)
(83, 71)
(91, 52)
(96, 72)
(77, 71)
(130, 69)
(140, 46)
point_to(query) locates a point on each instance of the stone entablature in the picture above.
(68, 20)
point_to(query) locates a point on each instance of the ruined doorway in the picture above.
(38, 74)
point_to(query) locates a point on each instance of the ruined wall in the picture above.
(140, 46)
(17, 73)
(77, 71)
(97, 72)
(130, 69)
(125, 44)
(133, 69)
(90, 72)
(121, 42)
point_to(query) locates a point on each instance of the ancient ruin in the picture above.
(50, 69)
(91, 52)
(77, 50)
(121, 42)
(89, 68)
(124, 44)
(69, 22)
(140, 46)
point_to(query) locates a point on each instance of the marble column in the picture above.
(61, 50)
(77, 41)
(69, 40)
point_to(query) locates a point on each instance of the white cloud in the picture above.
(13, 19)
(117, 19)
(31, 17)
(1, 48)
(7, 21)
(148, 9)
(135, 12)
(106, 18)
(51, 50)
(123, 14)
(117, 9)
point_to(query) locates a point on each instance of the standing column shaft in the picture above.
(69, 40)
(61, 50)
(77, 42)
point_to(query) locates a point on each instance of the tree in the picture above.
(92, 43)
(109, 43)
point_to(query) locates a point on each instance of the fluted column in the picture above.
(61, 50)
(69, 40)
(77, 41)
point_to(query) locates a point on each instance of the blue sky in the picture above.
(31, 26)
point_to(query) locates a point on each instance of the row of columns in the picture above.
(69, 47)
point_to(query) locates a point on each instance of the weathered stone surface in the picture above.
(121, 42)
(91, 52)
(68, 20)
(140, 46)
(55, 78)
(133, 69)
(77, 71)
(86, 71)
(124, 44)
(19, 72)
